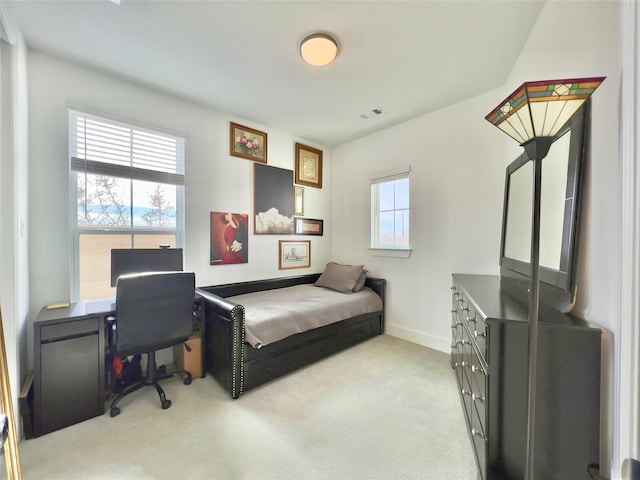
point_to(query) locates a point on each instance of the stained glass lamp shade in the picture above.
(541, 109)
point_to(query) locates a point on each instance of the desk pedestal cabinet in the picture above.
(70, 348)
(68, 371)
(489, 357)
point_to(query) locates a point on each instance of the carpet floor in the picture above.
(385, 409)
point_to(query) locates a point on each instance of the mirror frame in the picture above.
(557, 286)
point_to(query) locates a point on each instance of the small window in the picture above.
(129, 184)
(390, 209)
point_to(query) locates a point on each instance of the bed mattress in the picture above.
(273, 315)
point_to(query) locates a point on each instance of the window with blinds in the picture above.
(129, 184)
(390, 209)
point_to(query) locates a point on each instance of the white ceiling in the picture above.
(407, 58)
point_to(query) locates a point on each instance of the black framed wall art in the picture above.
(273, 200)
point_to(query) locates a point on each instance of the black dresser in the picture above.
(489, 356)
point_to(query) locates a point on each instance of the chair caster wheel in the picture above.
(114, 411)
(166, 404)
(187, 381)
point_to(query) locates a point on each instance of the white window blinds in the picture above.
(107, 147)
(390, 175)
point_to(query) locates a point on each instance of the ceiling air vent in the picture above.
(374, 112)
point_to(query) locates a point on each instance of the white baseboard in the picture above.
(430, 341)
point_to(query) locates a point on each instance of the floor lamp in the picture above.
(533, 115)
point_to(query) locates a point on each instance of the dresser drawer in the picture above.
(456, 362)
(466, 395)
(480, 335)
(479, 439)
(478, 396)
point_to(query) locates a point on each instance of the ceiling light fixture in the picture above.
(319, 49)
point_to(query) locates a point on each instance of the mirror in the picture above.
(518, 222)
(559, 215)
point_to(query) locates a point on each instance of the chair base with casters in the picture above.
(153, 376)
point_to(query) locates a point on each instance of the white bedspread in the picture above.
(276, 314)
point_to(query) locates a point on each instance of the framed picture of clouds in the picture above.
(272, 200)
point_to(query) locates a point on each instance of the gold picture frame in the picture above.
(298, 199)
(11, 454)
(245, 142)
(308, 166)
(294, 254)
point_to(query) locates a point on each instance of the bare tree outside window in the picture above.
(163, 212)
(103, 200)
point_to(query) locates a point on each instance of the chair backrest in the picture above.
(153, 311)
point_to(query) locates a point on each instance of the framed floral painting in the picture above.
(245, 142)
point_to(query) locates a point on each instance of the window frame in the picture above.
(130, 173)
(376, 179)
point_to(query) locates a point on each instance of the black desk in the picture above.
(70, 353)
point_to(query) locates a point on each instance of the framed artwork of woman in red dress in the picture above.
(229, 238)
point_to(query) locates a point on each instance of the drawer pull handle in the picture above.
(465, 309)
(479, 334)
(453, 311)
(478, 398)
(463, 342)
(478, 433)
(464, 392)
(460, 300)
(473, 320)
(475, 369)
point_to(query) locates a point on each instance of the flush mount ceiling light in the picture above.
(319, 49)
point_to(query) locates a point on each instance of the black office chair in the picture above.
(153, 311)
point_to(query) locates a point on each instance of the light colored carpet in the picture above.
(386, 409)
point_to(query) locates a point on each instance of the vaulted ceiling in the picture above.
(406, 58)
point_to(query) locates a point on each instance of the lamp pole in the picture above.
(536, 149)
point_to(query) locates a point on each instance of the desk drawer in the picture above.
(72, 328)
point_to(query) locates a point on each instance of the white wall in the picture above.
(215, 181)
(456, 203)
(457, 182)
(14, 260)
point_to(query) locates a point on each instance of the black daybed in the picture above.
(239, 366)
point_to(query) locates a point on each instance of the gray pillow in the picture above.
(360, 282)
(342, 278)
